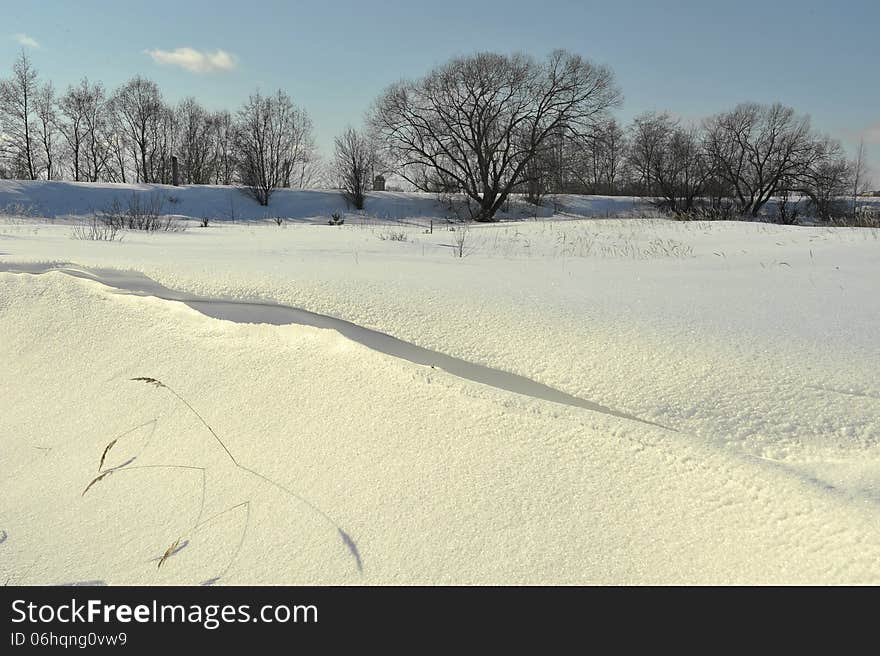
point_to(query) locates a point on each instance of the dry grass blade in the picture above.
(247, 519)
(168, 552)
(97, 479)
(159, 383)
(346, 538)
(116, 439)
(106, 450)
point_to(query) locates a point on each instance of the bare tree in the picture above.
(139, 108)
(611, 142)
(195, 142)
(539, 176)
(86, 121)
(119, 144)
(163, 139)
(648, 135)
(475, 124)
(756, 147)
(272, 138)
(670, 161)
(17, 98)
(860, 176)
(825, 178)
(552, 168)
(47, 129)
(355, 158)
(301, 150)
(223, 143)
(313, 173)
(100, 133)
(596, 161)
(73, 108)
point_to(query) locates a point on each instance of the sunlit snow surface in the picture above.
(753, 348)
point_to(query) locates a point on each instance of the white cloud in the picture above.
(26, 40)
(193, 60)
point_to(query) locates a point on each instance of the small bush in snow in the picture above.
(140, 212)
(96, 230)
(18, 211)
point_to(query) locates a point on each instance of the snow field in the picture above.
(756, 343)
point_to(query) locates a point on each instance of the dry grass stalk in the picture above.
(159, 383)
(168, 552)
(97, 479)
(347, 540)
(106, 450)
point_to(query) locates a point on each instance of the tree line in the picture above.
(488, 126)
(89, 134)
(483, 126)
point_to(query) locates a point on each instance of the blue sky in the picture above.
(691, 57)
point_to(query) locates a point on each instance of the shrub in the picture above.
(140, 212)
(392, 235)
(96, 230)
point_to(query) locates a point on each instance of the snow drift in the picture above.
(755, 345)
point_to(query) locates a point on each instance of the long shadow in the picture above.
(132, 282)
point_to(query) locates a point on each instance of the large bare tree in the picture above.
(474, 124)
(756, 148)
(272, 138)
(139, 109)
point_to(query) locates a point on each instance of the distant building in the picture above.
(379, 183)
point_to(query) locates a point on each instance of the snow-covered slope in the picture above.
(218, 203)
(755, 344)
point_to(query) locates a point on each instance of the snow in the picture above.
(56, 199)
(757, 345)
